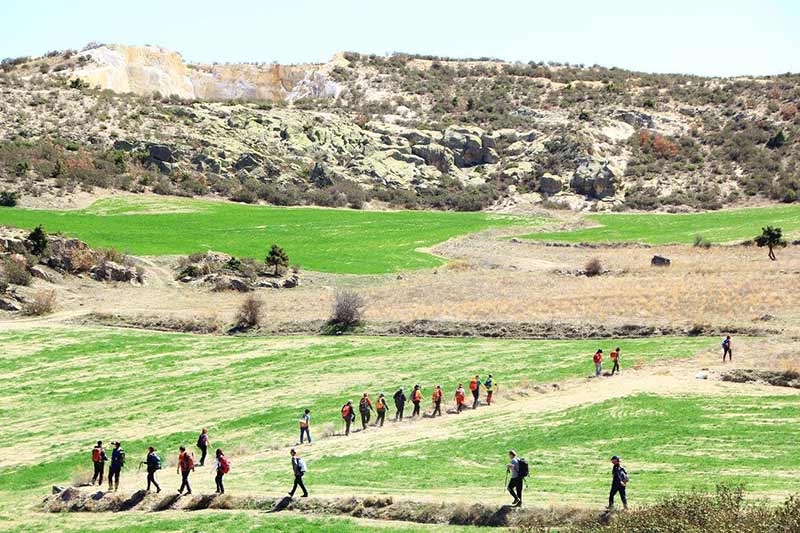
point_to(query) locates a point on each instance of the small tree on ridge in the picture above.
(771, 237)
(277, 258)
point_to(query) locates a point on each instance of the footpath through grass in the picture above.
(64, 389)
(329, 240)
(716, 226)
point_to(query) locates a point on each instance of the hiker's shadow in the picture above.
(281, 505)
(500, 517)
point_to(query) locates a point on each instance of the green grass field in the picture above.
(329, 240)
(65, 388)
(716, 226)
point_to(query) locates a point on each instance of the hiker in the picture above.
(518, 468)
(185, 467)
(202, 443)
(115, 467)
(489, 385)
(365, 409)
(619, 480)
(305, 421)
(727, 349)
(98, 458)
(437, 400)
(475, 388)
(615, 357)
(153, 462)
(598, 363)
(222, 467)
(348, 416)
(299, 469)
(399, 404)
(416, 397)
(381, 407)
(460, 396)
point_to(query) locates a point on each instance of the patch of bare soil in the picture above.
(777, 378)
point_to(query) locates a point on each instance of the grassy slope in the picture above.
(716, 226)
(332, 240)
(669, 443)
(158, 388)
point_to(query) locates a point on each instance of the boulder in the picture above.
(466, 145)
(637, 119)
(490, 156)
(207, 163)
(659, 261)
(111, 271)
(70, 493)
(162, 152)
(12, 245)
(522, 171)
(550, 184)
(8, 303)
(248, 161)
(124, 146)
(44, 274)
(435, 155)
(291, 282)
(64, 254)
(58, 489)
(321, 175)
(595, 178)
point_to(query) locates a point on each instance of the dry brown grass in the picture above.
(42, 303)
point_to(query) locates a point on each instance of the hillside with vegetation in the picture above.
(401, 130)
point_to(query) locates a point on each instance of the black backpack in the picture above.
(522, 467)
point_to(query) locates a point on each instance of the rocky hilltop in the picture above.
(408, 130)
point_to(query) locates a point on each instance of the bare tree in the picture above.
(250, 313)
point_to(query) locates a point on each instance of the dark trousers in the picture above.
(475, 395)
(347, 422)
(98, 473)
(113, 475)
(489, 397)
(364, 419)
(203, 452)
(617, 488)
(398, 414)
(218, 481)
(416, 409)
(459, 407)
(298, 482)
(615, 368)
(728, 352)
(380, 418)
(185, 482)
(305, 431)
(515, 489)
(151, 478)
(437, 408)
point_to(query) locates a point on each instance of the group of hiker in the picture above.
(517, 470)
(381, 405)
(185, 466)
(598, 361)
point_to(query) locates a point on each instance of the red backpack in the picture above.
(96, 454)
(224, 464)
(187, 463)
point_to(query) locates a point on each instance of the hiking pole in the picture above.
(505, 483)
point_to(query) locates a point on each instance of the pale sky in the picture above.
(710, 37)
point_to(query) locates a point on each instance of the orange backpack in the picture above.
(417, 396)
(96, 454)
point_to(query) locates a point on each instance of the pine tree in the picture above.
(277, 258)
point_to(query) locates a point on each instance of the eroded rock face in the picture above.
(111, 271)
(551, 184)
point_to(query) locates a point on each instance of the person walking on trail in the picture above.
(99, 459)
(518, 470)
(348, 416)
(221, 467)
(615, 358)
(619, 480)
(489, 385)
(153, 463)
(115, 466)
(381, 407)
(185, 467)
(299, 469)
(202, 443)
(437, 400)
(305, 422)
(598, 363)
(416, 398)
(475, 389)
(460, 398)
(399, 404)
(727, 349)
(365, 409)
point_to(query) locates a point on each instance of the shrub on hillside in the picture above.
(347, 310)
(8, 198)
(42, 303)
(37, 241)
(250, 313)
(593, 267)
(277, 258)
(701, 242)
